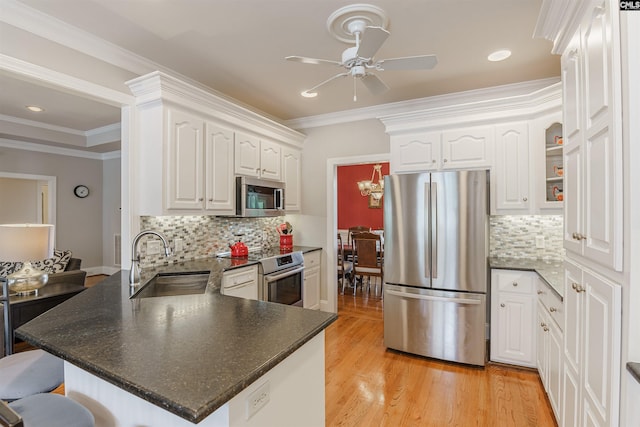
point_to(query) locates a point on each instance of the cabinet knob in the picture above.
(553, 309)
(200, 199)
(445, 160)
(545, 329)
(576, 287)
(211, 200)
(543, 324)
(524, 199)
(515, 283)
(502, 305)
(433, 161)
(540, 292)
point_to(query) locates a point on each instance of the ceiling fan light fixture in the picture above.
(306, 94)
(499, 55)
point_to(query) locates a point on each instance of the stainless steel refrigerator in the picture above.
(436, 238)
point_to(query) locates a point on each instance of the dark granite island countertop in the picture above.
(187, 354)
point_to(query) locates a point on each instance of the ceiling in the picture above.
(238, 47)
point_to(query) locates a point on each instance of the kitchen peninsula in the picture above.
(208, 358)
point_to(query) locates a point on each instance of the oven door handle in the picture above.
(272, 278)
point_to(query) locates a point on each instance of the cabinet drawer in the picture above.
(521, 282)
(312, 259)
(240, 275)
(551, 302)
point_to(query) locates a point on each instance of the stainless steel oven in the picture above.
(282, 278)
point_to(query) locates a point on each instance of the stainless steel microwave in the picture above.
(259, 197)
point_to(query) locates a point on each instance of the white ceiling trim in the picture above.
(40, 148)
(53, 79)
(46, 26)
(40, 125)
(104, 135)
(458, 99)
(558, 21)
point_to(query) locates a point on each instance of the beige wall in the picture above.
(79, 221)
(111, 178)
(19, 201)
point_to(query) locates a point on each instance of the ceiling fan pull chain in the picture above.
(355, 96)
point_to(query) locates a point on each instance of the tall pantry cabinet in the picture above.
(593, 217)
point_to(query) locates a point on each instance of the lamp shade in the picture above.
(26, 242)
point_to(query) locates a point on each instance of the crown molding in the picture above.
(558, 21)
(158, 86)
(452, 100)
(520, 106)
(49, 149)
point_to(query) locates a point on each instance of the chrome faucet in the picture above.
(134, 274)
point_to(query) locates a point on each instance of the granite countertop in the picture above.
(550, 271)
(188, 354)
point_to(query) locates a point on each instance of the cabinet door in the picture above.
(219, 175)
(270, 160)
(541, 325)
(511, 168)
(415, 152)
(467, 148)
(601, 353)
(292, 175)
(573, 198)
(570, 407)
(247, 155)
(311, 291)
(554, 368)
(512, 329)
(571, 90)
(573, 312)
(184, 157)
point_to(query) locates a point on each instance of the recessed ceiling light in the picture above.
(309, 94)
(499, 55)
(35, 108)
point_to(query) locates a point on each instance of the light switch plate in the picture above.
(178, 245)
(154, 247)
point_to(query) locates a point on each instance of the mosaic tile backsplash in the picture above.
(206, 236)
(514, 236)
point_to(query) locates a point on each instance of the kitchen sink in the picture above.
(169, 284)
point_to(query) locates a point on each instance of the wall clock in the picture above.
(81, 191)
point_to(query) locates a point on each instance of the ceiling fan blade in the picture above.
(314, 61)
(422, 62)
(372, 40)
(374, 84)
(325, 82)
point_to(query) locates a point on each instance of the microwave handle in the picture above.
(279, 193)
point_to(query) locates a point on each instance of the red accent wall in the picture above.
(353, 208)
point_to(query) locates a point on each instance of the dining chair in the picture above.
(345, 268)
(29, 372)
(355, 230)
(368, 259)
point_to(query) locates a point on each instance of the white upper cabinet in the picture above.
(467, 148)
(189, 145)
(593, 151)
(258, 157)
(185, 145)
(219, 177)
(510, 175)
(292, 175)
(415, 152)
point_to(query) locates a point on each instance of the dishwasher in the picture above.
(240, 282)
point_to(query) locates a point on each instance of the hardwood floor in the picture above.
(368, 385)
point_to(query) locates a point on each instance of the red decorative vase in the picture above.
(286, 242)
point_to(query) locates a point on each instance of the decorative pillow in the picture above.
(55, 264)
(7, 268)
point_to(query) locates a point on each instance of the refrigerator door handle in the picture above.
(434, 230)
(434, 298)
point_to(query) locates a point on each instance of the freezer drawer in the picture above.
(440, 324)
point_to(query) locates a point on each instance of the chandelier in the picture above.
(370, 187)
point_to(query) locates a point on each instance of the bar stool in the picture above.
(27, 373)
(45, 410)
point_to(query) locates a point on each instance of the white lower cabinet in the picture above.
(549, 337)
(240, 282)
(513, 317)
(311, 285)
(591, 372)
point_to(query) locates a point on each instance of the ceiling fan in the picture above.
(359, 60)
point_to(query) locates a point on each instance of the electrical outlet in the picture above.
(178, 245)
(154, 247)
(540, 242)
(257, 399)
